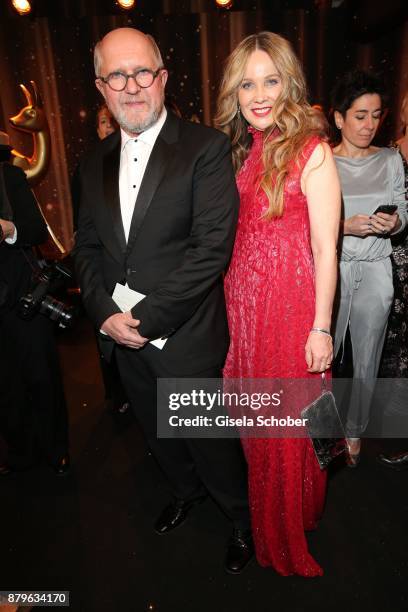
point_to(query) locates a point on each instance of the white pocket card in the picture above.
(126, 298)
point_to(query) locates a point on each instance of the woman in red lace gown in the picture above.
(281, 281)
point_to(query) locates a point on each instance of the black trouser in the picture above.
(114, 390)
(193, 465)
(33, 413)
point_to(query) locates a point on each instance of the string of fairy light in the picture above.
(24, 7)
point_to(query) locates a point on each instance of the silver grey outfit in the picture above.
(366, 288)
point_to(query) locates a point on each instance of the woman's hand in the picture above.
(318, 352)
(358, 225)
(385, 224)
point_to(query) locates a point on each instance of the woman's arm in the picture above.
(322, 190)
(393, 224)
(399, 194)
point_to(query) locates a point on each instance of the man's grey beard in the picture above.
(142, 126)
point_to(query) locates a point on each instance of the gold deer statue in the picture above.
(32, 119)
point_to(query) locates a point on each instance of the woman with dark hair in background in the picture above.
(282, 278)
(371, 178)
(105, 123)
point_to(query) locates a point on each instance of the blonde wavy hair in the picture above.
(293, 116)
(402, 111)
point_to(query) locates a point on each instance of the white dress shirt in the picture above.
(134, 156)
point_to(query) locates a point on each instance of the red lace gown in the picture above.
(270, 297)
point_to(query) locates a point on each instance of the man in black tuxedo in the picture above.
(33, 414)
(158, 213)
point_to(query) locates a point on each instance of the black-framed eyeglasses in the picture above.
(143, 77)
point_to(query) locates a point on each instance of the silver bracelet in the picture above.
(320, 330)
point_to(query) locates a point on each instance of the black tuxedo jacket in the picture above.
(15, 271)
(179, 245)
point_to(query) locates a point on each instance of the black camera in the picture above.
(50, 278)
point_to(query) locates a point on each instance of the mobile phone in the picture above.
(388, 209)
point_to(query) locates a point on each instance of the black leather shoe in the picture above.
(175, 514)
(240, 551)
(62, 466)
(395, 462)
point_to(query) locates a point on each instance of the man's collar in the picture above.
(148, 136)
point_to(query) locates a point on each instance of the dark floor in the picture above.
(91, 531)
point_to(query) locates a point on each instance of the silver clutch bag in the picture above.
(324, 427)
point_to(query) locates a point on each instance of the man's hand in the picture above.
(121, 327)
(8, 228)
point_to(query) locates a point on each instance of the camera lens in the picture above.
(57, 311)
